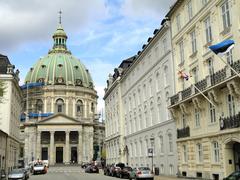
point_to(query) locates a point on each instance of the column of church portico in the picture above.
(80, 146)
(67, 155)
(38, 148)
(52, 162)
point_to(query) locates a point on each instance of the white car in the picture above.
(39, 168)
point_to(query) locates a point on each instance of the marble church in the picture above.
(59, 113)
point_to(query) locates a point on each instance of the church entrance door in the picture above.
(59, 154)
(74, 154)
(44, 153)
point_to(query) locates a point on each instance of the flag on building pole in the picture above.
(184, 76)
(223, 48)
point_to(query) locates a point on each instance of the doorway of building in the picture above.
(236, 153)
(74, 155)
(59, 154)
(44, 153)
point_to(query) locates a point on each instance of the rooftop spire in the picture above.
(60, 17)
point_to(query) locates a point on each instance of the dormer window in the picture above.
(76, 67)
(43, 66)
(60, 65)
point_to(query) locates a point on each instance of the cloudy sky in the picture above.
(100, 32)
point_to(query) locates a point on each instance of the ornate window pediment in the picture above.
(78, 82)
(60, 80)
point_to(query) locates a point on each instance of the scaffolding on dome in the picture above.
(34, 115)
(32, 85)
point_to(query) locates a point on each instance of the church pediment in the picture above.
(59, 119)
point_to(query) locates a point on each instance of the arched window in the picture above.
(39, 105)
(92, 107)
(79, 107)
(165, 73)
(170, 141)
(60, 106)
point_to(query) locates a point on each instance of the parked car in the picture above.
(39, 168)
(233, 176)
(141, 173)
(115, 168)
(84, 165)
(92, 169)
(2, 174)
(124, 172)
(106, 170)
(18, 174)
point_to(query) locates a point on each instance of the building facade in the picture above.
(115, 146)
(10, 110)
(3, 149)
(60, 107)
(138, 101)
(208, 133)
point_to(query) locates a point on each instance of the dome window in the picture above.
(40, 80)
(79, 108)
(90, 85)
(76, 67)
(31, 69)
(60, 65)
(43, 66)
(59, 80)
(78, 82)
(60, 106)
(39, 106)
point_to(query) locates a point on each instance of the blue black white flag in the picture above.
(222, 47)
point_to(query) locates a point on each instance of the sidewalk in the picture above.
(167, 178)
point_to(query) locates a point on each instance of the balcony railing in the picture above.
(184, 132)
(174, 99)
(218, 77)
(186, 93)
(209, 81)
(201, 85)
(230, 122)
(45, 141)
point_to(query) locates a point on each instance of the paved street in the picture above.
(77, 173)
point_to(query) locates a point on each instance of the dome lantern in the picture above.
(59, 38)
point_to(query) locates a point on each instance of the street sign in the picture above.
(150, 152)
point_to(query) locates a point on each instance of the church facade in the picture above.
(59, 107)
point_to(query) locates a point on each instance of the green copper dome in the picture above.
(60, 67)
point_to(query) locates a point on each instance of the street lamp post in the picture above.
(152, 145)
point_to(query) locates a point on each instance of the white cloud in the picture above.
(24, 21)
(146, 9)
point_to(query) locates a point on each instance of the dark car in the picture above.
(92, 169)
(233, 176)
(124, 172)
(115, 168)
(84, 165)
(106, 170)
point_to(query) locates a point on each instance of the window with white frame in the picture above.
(184, 121)
(212, 112)
(216, 152)
(193, 41)
(184, 150)
(144, 92)
(181, 50)
(165, 73)
(158, 82)
(170, 141)
(210, 66)
(195, 74)
(161, 169)
(164, 42)
(199, 153)
(208, 29)
(151, 115)
(197, 117)
(161, 144)
(190, 11)
(229, 57)
(159, 113)
(141, 148)
(226, 15)
(231, 105)
(150, 88)
(178, 22)
(171, 169)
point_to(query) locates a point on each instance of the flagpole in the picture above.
(204, 95)
(228, 65)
